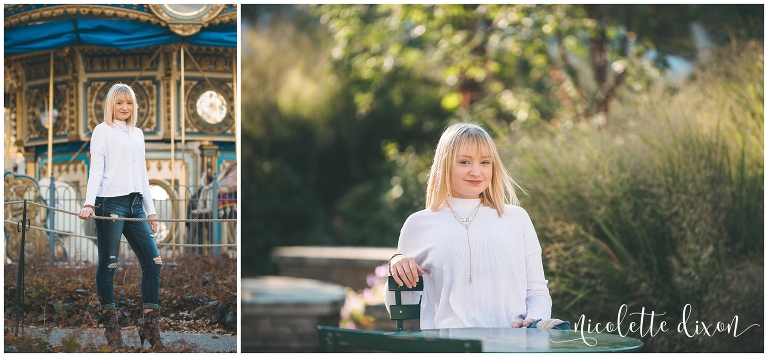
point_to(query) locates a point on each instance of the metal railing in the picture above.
(192, 221)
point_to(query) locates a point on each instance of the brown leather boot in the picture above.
(112, 330)
(150, 330)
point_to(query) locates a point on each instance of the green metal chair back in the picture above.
(399, 311)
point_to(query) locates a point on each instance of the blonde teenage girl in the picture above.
(118, 187)
(475, 247)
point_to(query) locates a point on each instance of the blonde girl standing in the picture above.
(118, 186)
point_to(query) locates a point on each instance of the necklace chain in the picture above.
(466, 222)
(126, 127)
(126, 131)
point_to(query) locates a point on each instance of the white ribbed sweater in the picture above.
(118, 165)
(507, 274)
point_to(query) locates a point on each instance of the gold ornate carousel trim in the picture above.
(151, 14)
(88, 49)
(186, 24)
(70, 10)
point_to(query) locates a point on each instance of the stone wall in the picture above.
(345, 266)
(281, 314)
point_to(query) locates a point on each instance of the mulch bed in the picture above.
(197, 294)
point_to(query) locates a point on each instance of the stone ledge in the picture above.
(281, 295)
(292, 309)
(345, 266)
(281, 314)
(334, 255)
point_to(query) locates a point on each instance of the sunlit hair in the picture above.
(124, 92)
(459, 138)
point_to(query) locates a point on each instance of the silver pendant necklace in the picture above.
(466, 222)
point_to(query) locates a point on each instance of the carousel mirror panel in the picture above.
(210, 110)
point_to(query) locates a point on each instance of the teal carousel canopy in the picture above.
(34, 28)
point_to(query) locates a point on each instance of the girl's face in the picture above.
(470, 173)
(123, 108)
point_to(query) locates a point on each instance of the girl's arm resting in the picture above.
(409, 246)
(95, 175)
(537, 300)
(98, 151)
(146, 193)
(405, 270)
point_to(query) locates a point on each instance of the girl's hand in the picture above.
(85, 212)
(523, 323)
(152, 223)
(405, 271)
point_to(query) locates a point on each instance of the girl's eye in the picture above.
(486, 162)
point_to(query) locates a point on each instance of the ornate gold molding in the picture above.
(185, 29)
(196, 88)
(119, 62)
(63, 124)
(71, 10)
(190, 23)
(12, 75)
(153, 13)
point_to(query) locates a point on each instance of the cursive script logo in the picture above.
(651, 323)
(583, 338)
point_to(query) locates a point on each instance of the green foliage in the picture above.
(662, 208)
(70, 344)
(496, 63)
(343, 105)
(315, 177)
(24, 343)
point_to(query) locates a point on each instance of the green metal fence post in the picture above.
(215, 215)
(51, 225)
(22, 226)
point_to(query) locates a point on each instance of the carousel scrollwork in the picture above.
(210, 110)
(38, 109)
(37, 242)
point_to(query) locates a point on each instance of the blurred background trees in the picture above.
(636, 130)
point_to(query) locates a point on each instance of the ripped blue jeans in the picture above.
(141, 239)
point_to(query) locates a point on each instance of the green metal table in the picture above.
(532, 340)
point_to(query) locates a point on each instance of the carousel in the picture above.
(60, 61)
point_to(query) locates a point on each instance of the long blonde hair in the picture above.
(455, 138)
(120, 90)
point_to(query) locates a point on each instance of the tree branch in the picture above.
(604, 97)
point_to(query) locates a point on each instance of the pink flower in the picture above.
(353, 303)
(382, 271)
(372, 279)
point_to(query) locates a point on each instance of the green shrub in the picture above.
(658, 206)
